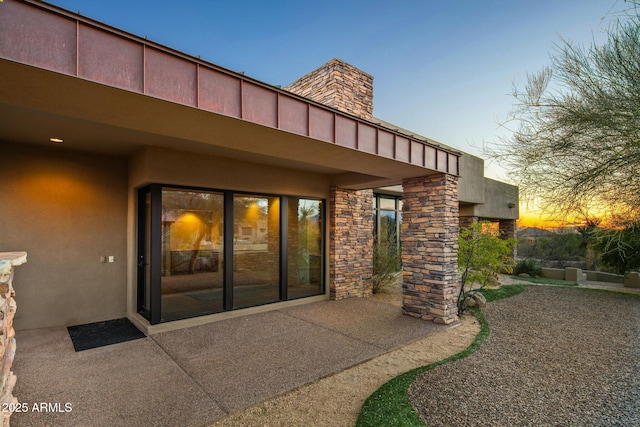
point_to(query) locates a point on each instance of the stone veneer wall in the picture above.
(466, 221)
(338, 85)
(351, 243)
(508, 230)
(429, 238)
(8, 260)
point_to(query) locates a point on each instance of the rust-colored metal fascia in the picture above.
(162, 72)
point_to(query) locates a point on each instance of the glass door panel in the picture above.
(184, 235)
(304, 248)
(192, 253)
(388, 227)
(256, 250)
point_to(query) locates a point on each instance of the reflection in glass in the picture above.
(256, 250)
(387, 203)
(192, 251)
(182, 240)
(304, 248)
(387, 217)
(388, 226)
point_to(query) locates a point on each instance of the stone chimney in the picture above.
(338, 85)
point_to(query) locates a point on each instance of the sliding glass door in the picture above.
(256, 250)
(206, 251)
(192, 251)
(305, 248)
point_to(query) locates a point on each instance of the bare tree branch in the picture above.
(576, 137)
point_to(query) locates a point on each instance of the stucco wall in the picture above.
(166, 166)
(471, 181)
(66, 210)
(497, 198)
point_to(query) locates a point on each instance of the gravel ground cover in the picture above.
(555, 357)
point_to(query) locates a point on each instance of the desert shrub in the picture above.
(386, 262)
(557, 250)
(619, 248)
(528, 266)
(482, 253)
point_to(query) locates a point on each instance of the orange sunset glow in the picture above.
(533, 215)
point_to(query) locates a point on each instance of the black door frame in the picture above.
(151, 310)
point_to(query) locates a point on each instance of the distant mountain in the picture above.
(534, 232)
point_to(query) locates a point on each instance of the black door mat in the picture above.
(99, 334)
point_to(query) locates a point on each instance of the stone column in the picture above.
(8, 260)
(429, 239)
(350, 243)
(508, 230)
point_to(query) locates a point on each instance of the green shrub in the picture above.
(482, 254)
(528, 266)
(387, 263)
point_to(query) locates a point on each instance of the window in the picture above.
(207, 251)
(256, 261)
(305, 232)
(192, 252)
(387, 217)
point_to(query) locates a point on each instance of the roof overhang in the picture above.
(106, 91)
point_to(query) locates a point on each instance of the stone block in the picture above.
(8, 260)
(445, 320)
(632, 280)
(573, 274)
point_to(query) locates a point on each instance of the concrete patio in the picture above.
(195, 376)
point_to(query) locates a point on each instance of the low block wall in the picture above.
(630, 280)
(600, 276)
(553, 273)
(8, 260)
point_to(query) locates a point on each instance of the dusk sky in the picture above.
(442, 69)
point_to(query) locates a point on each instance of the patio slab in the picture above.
(132, 383)
(379, 324)
(197, 375)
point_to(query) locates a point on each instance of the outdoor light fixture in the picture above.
(56, 140)
(511, 205)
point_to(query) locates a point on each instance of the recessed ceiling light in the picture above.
(56, 140)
